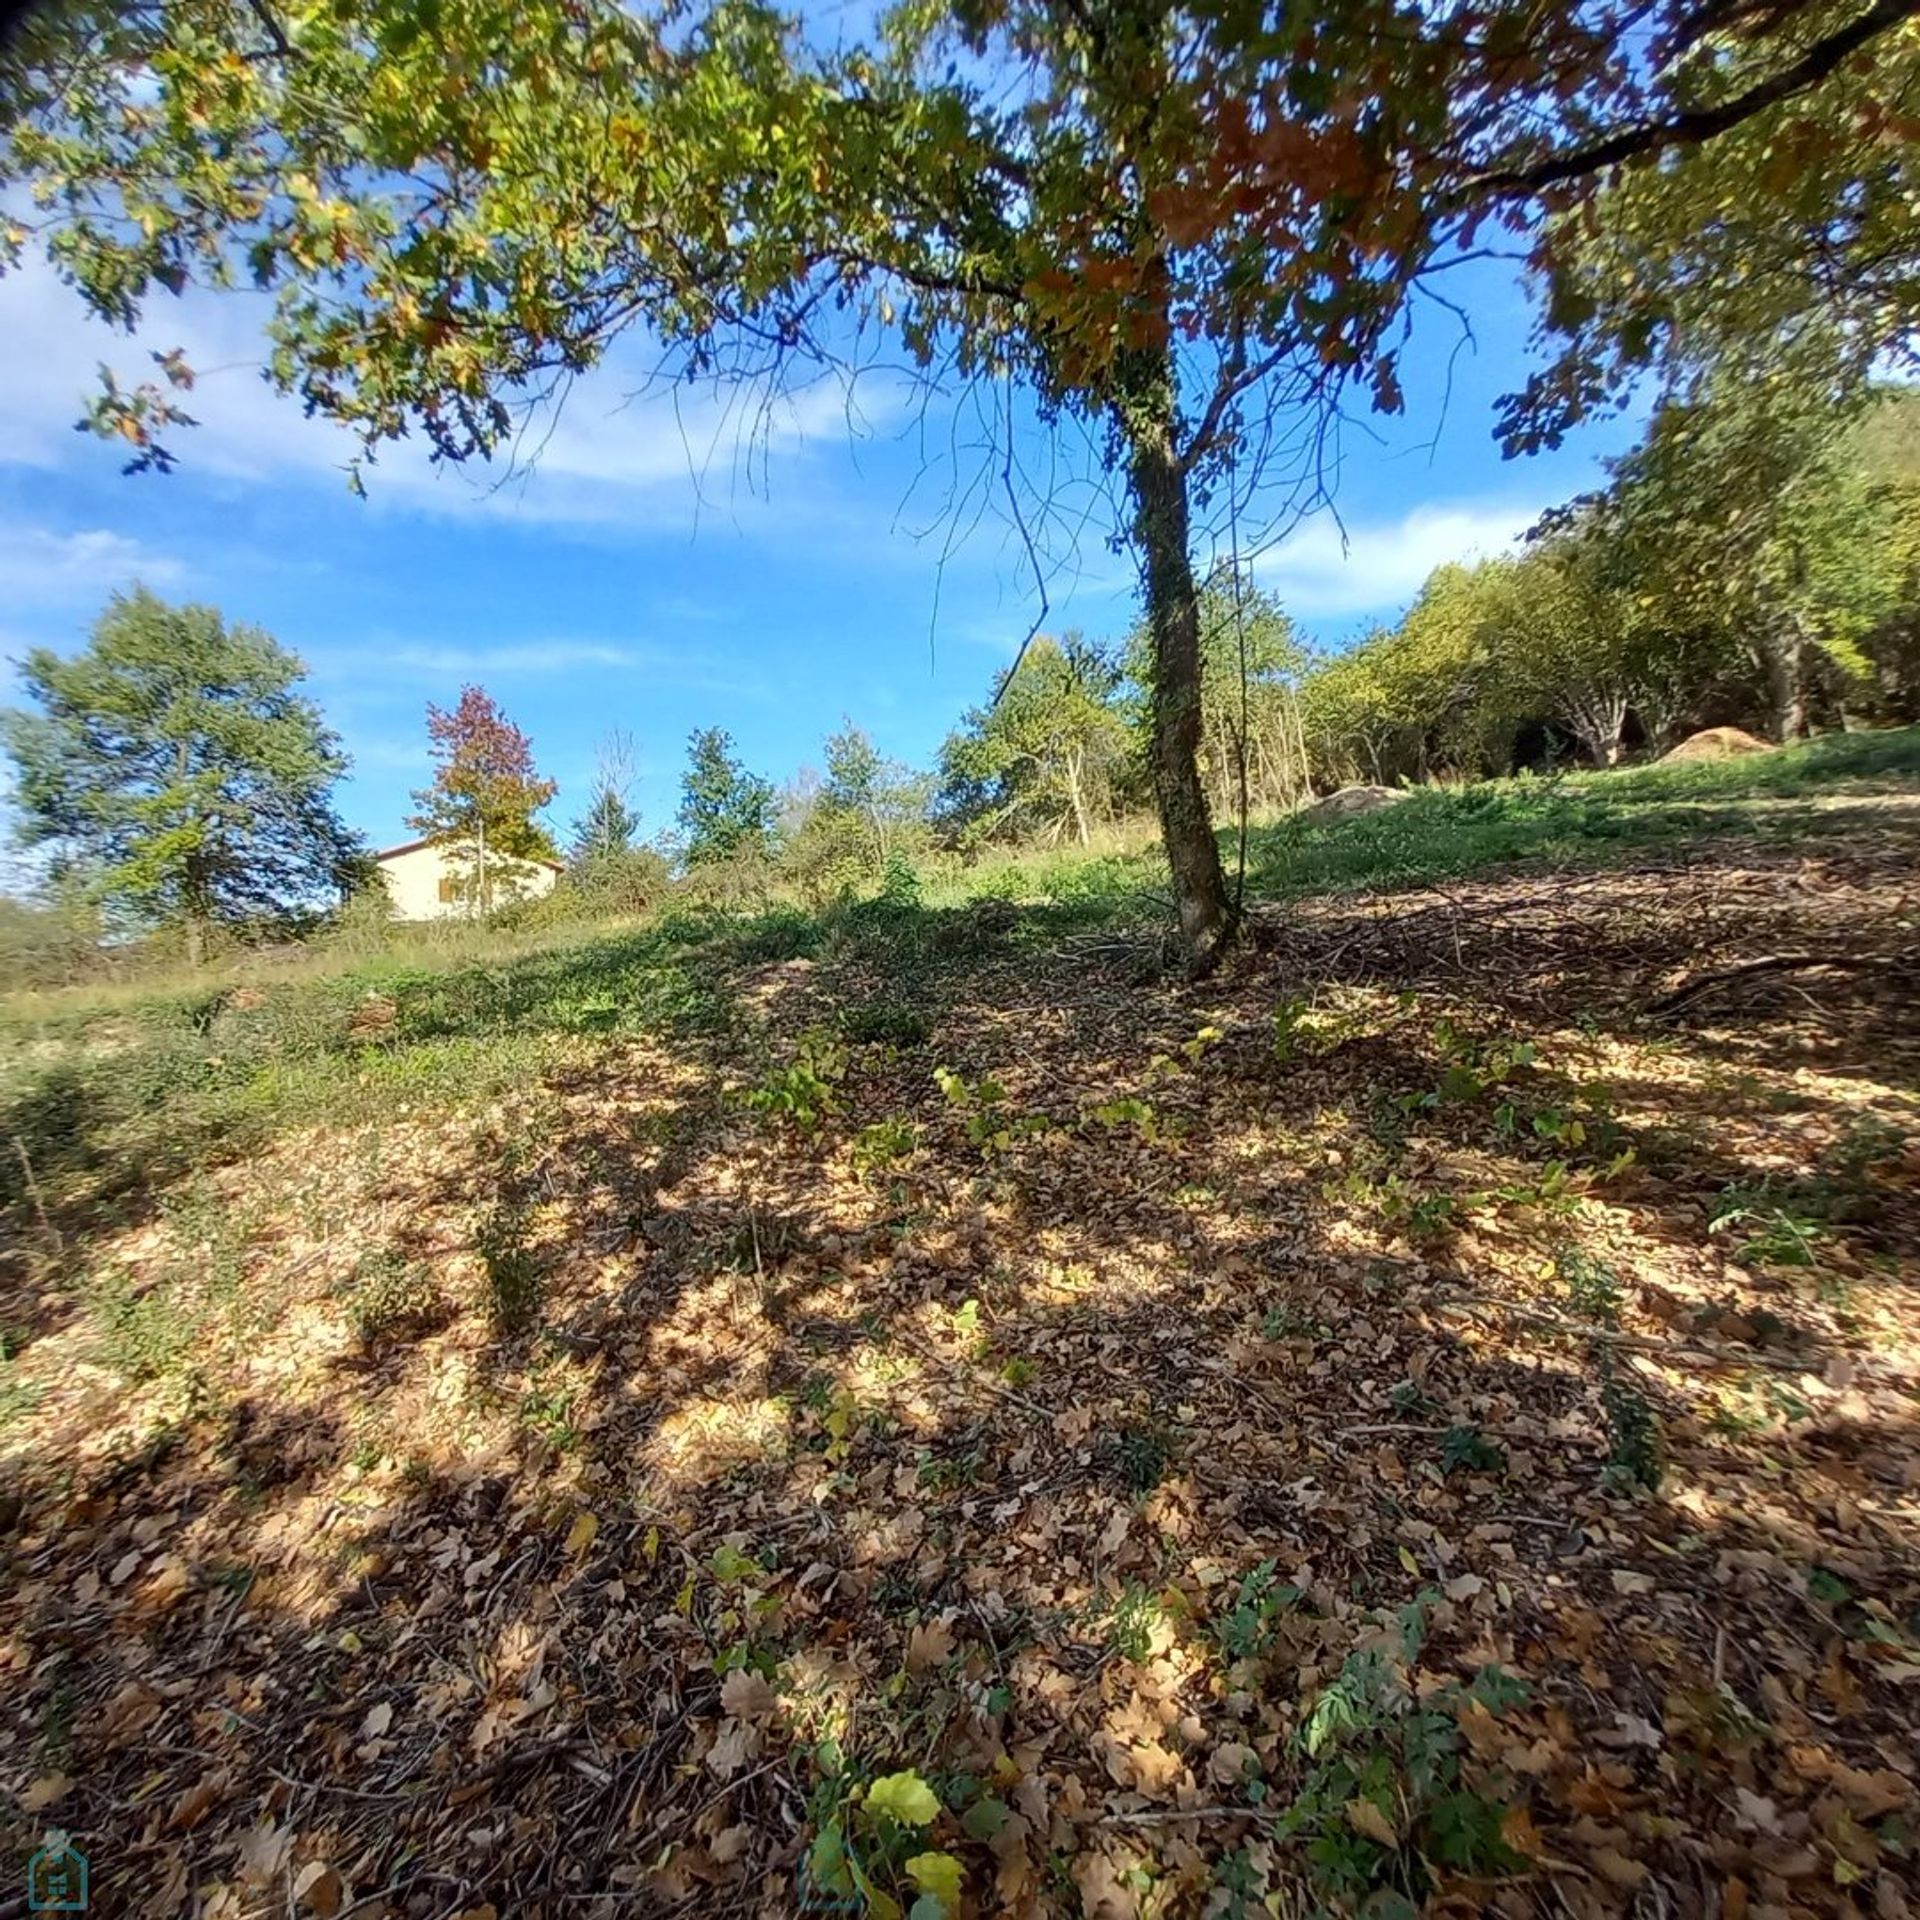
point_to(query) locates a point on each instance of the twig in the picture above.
(33, 1193)
(1702, 984)
(1641, 1343)
(1160, 1816)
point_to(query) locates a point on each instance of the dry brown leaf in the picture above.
(1367, 1818)
(1614, 1865)
(196, 1802)
(320, 1889)
(929, 1645)
(261, 1852)
(748, 1695)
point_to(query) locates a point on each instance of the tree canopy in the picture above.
(175, 768)
(726, 813)
(484, 797)
(1047, 755)
(1755, 560)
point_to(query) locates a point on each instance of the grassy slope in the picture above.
(100, 1089)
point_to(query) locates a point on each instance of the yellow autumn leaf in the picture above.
(904, 1797)
(938, 1876)
(580, 1534)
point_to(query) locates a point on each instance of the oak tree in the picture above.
(174, 767)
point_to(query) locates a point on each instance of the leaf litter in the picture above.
(1393, 1428)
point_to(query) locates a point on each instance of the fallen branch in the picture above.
(1702, 984)
(1161, 1816)
(1694, 1353)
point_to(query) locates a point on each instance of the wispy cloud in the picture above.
(533, 656)
(373, 676)
(45, 569)
(624, 451)
(1382, 563)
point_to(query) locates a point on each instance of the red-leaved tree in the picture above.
(484, 795)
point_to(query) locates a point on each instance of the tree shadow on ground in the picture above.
(960, 1455)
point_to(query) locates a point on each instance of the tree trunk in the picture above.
(1787, 682)
(1073, 794)
(1160, 526)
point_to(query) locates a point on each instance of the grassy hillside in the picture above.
(669, 1385)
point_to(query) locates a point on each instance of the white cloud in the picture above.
(534, 656)
(1383, 562)
(620, 443)
(378, 676)
(41, 568)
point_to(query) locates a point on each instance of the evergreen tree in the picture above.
(607, 829)
(174, 765)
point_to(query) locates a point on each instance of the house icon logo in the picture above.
(57, 1878)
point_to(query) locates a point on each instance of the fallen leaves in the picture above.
(820, 1498)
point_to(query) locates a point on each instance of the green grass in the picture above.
(1585, 819)
(110, 1090)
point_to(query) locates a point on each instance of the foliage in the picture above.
(801, 1093)
(1244, 1629)
(864, 823)
(884, 1144)
(53, 940)
(1387, 1799)
(1196, 238)
(865, 1844)
(1756, 559)
(607, 830)
(1250, 666)
(511, 1266)
(726, 813)
(483, 799)
(174, 769)
(1633, 1432)
(1048, 756)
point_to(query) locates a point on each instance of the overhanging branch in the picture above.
(1698, 125)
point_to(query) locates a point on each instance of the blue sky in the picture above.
(668, 562)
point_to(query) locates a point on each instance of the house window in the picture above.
(449, 890)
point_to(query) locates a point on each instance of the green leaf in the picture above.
(904, 1797)
(729, 1563)
(937, 1875)
(984, 1819)
(828, 1868)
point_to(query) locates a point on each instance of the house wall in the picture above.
(414, 883)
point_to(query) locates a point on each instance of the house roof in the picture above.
(414, 846)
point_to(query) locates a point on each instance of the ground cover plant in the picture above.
(919, 1407)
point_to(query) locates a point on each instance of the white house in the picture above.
(435, 879)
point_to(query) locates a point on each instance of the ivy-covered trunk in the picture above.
(1161, 530)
